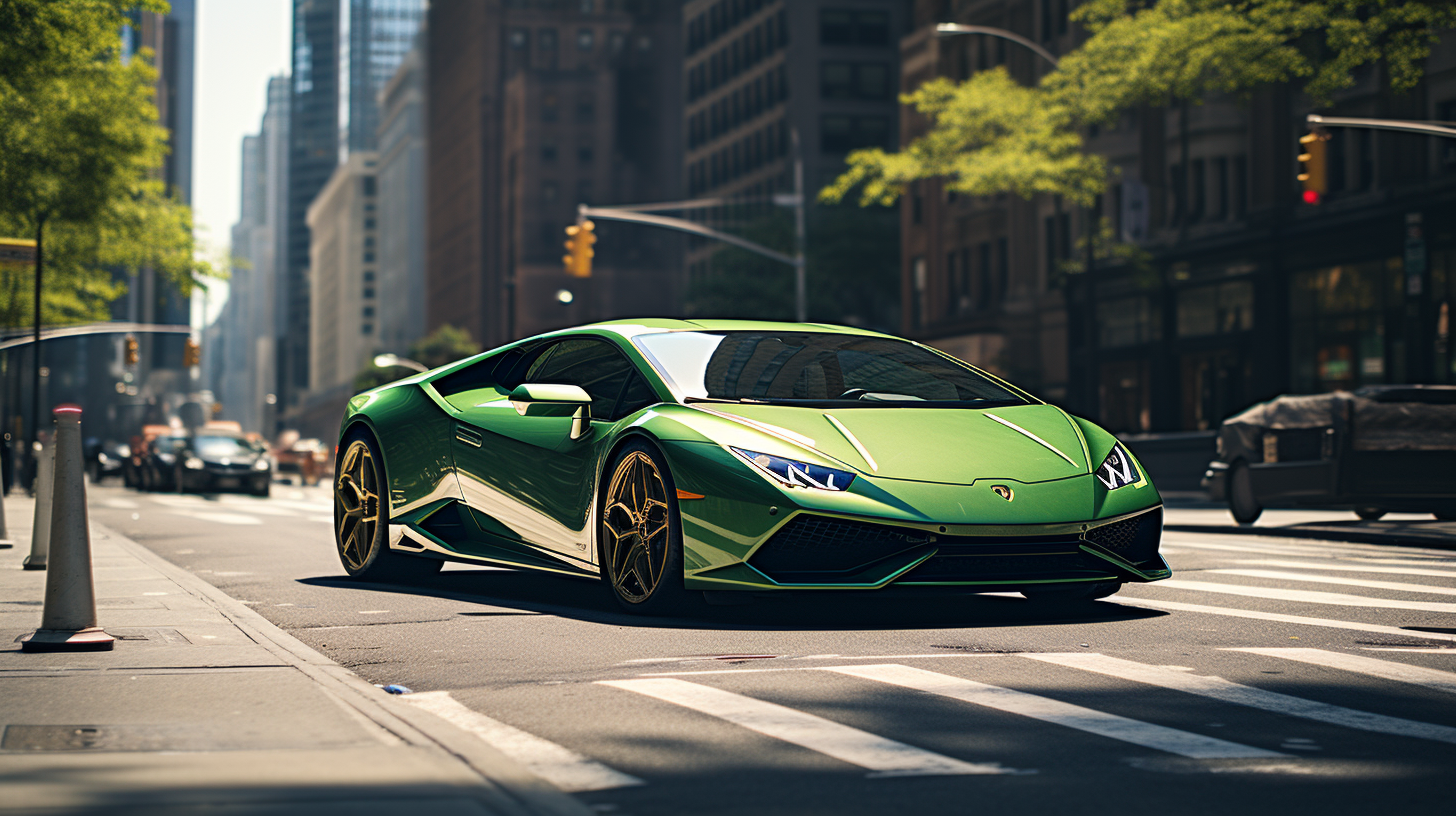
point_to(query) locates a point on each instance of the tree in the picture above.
(80, 150)
(989, 134)
(441, 347)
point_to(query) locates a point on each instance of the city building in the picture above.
(402, 205)
(343, 53)
(249, 321)
(343, 270)
(1237, 290)
(534, 107)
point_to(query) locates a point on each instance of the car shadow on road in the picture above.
(512, 592)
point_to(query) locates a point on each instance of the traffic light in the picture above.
(191, 353)
(1312, 165)
(131, 351)
(579, 239)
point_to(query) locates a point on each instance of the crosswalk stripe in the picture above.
(1384, 669)
(1346, 567)
(1305, 596)
(1276, 617)
(1148, 735)
(562, 767)
(1322, 550)
(1227, 691)
(217, 517)
(1280, 575)
(884, 757)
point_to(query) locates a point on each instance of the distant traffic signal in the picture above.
(579, 239)
(131, 351)
(1312, 157)
(191, 353)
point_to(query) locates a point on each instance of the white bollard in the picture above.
(40, 529)
(68, 622)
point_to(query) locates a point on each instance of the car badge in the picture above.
(1003, 491)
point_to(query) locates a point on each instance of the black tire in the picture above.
(263, 491)
(1241, 500)
(631, 540)
(146, 480)
(363, 546)
(1070, 594)
(1369, 513)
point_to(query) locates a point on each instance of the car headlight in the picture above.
(193, 463)
(1117, 470)
(260, 464)
(794, 473)
(102, 457)
(167, 458)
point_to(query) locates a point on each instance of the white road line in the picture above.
(1305, 596)
(562, 767)
(175, 500)
(1177, 606)
(1148, 735)
(259, 506)
(1384, 669)
(1227, 691)
(884, 757)
(1347, 567)
(120, 504)
(217, 516)
(1280, 575)
(1322, 550)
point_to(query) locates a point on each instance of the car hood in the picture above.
(1023, 443)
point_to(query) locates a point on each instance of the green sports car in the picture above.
(674, 456)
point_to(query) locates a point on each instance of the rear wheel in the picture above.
(641, 535)
(1369, 513)
(361, 518)
(1242, 503)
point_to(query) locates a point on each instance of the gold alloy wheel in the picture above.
(635, 524)
(356, 505)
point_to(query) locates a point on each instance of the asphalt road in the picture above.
(1269, 676)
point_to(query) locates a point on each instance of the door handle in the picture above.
(468, 436)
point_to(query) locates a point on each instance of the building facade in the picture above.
(343, 276)
(402, 206)
(534, 107)
(1226, 288)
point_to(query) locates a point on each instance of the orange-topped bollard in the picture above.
(68, 621)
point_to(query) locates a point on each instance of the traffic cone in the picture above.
(68, 622)
(40, 535)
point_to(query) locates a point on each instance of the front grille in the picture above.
(820, 546)
(1135, 540)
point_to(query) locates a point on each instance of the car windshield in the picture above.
(170, 444)
(807, 368)
(221, 446)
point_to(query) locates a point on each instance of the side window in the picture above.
(635, 396)
(594, 365)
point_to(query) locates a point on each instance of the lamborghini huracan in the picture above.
(671, 457)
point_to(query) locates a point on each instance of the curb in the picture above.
(510, 788)
(1438, 541)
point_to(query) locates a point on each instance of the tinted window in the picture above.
(636, 396)
(594, 365)
(220, 446)
(816, 367)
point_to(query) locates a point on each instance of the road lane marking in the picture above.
(259, 507)
(1384, 669)
(1323, 550)
(1276, 617)
(217, 517)
(1395, 586)
(1315, 565)
(1148, 735)
(1305, 596)
(1217, 688)
(883, 757)
(562, 767)
(120, 504)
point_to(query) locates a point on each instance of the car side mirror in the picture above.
(526, 395)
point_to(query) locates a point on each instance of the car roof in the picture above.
(634, 327)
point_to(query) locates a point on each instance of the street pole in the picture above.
(801, 281)
(35, 338)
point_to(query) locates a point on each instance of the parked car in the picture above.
(1375, 450)
(104, 458)
(309, 458)
(211, 461)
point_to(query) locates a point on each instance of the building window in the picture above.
(519, 39)
(368, 256)
(1221, 188)
(369, 186)
(841, 134)
(1207, 310)
(550, 105)
(1003, 268)
(584, 191)
(548, 152)
(586, 39)
(367, 328)
(549, 191)
(586, 109)
(849, 27)
(368, 311)
(368, 292)
(851, 80)
(587, 7)
(369, 223)
(368, 276)
(1197, 183)
(584, 154)
(917, 300)
(547, 39)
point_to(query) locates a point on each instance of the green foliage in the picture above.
(852, 271)
(80, 151)
(991, 135)
(441, 347)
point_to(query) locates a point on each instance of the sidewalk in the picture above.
(1409, 529)
(205, 706)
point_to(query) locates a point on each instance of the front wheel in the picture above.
(1369, 513)
(361, 518)
(641, 535)
(1242, 503)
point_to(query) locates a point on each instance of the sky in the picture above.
(239, 45)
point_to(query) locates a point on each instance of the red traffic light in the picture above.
(1311, 197)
